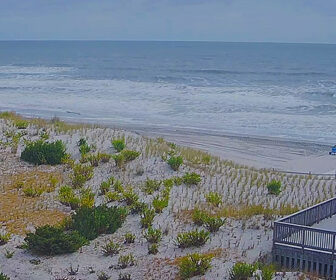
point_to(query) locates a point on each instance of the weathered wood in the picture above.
(296, 245)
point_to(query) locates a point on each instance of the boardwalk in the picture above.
(299, 242)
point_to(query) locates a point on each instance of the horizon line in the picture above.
(154, 40)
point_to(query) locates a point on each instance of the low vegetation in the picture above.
(194, 264)
(175, 162)
(274, 187)
(193, 238)
(41, 152)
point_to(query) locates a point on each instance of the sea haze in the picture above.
(274, 90)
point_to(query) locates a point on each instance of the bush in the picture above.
(242, 271)
(84, 148)
(113, 196)
(199, 217)
(192, 238)
(48, 240)
(214, 198)
(274, 187)
(21, 124)
(160, 204)
(138, 207)
(153, 249)
(90, 222)
(40, 152)
(129, 238)
(267, 272)
(194, 264)
(67, 196)
(191, 178)
(81, 174)
(4, 276)
(111, 248)
(87, 198)
(103, 276)
(213, 224)
(151, 186)
(4, 238)
(175, 162)
(118, 144)
(33, 191)
(153, 235)
(105, 187)
(126, 260)
(130, 197)
(130, 155)
(147, 218)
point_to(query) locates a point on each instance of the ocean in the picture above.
(259, 89)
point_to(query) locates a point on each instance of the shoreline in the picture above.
(284, 155)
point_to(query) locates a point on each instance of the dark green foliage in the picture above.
(118, 144)
(160, 203)
(129, 238)
(153, 249)
(192, 238)
(191, 178)
(274, 187)
(130, 155)
(242, 271)
(130, 197)
(138, 207)
(150, 186)
(84, 147)
(199, 217)
(147, 218)
(153, 235)
(40, 152)
(48, 240)
(194, 264)
(4, 277)
(175, 162)
(90, 222)
(213, 224)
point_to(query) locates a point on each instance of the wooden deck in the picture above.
(298, 246)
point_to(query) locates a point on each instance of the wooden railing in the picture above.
(295, 230)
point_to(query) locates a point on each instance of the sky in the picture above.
(306, 21)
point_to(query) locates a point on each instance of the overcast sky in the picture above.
(218, 20)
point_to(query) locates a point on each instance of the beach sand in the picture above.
(246, 205)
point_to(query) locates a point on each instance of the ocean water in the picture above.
(276, 90)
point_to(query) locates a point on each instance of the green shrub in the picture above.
(159, 204)
(93, 159)
(191, 178)
(87, 198)
(130, 155)
(214, 198)
(32, 191)
(4, 238)
(193, 265)
(150, 186)
(111, 248)
(119, 160)
(126, 260)
(118, 144)
(175, 162)
(153, 235)
(178, 181)
(113, 196)
(21, 124)
(213, 224)
(168, 183)
(67, 196)
(104, 157)
(90, 222)
(199, 217)
(4, 276)
(147, 218)
(153, 249)
(267, 272)
(80, 174)
(193, 238)
(40, 152)
(48, 240)
(129, 238)
(274, 187)
(138, 207)
(84, 147)
(130, 197)
(105, 187)
(242, 271)
(103, 276)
